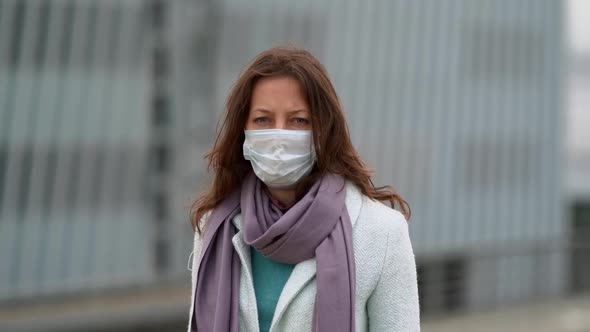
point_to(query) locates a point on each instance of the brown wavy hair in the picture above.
(334, 150)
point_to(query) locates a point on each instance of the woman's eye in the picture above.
(262, 120)
(301, 120)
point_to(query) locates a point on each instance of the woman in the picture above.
(292, 235)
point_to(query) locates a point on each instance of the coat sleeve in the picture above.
(393, 305)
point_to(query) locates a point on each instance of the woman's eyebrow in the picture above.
(302, 110)
(263, 110)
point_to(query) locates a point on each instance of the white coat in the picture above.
(386, 284)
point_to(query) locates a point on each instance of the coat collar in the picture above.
(303, 271)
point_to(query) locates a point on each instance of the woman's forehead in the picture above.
(278, 94)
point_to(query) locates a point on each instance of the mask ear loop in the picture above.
(188, 264)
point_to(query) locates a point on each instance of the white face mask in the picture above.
(279, 157)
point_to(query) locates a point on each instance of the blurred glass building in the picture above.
(578, 140)
(107, 107)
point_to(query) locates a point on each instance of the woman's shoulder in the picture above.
(198, 235)
(376, 216)
(381, 215)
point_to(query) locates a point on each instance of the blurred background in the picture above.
(476, 111)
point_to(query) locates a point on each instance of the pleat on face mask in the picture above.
(279, 157)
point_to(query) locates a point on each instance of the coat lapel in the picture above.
(247, 295)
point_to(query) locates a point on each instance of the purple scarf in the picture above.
(317, 226)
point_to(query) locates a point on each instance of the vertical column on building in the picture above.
(161, 140)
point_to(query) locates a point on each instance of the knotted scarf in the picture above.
(318, 225)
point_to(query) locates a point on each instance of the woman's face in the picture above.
(278, 103)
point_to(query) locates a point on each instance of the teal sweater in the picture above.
(269, 278)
